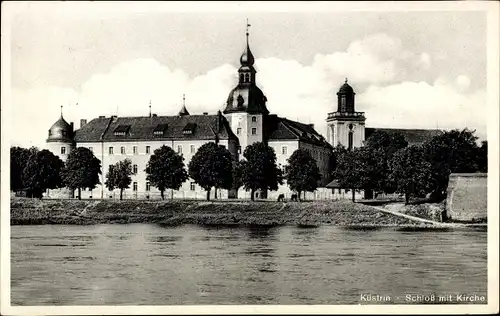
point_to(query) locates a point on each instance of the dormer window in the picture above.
(121, 130)
(189, 129)
(160, 129)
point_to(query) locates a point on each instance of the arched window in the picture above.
(349, 147)
(247, 78)
(343, 103)
(242, 77)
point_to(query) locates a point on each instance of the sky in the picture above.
(409, 69)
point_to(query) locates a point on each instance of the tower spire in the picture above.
(247, 71)
(183, 110)
(61, 110)
(247, 33)
(149, 108)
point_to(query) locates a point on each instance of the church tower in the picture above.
(246, 104)
(346, 126)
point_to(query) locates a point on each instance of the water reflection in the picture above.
(149, 264)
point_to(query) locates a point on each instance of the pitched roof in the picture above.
(279, 128)
(143, 128)
(412, 136)
(334, 185)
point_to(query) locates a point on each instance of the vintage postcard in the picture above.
(249, 157)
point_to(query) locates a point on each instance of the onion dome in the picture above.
(246, 98)
(60, 131)
(247, 58)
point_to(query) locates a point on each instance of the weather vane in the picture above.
(248, 26)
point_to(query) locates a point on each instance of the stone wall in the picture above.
(467, 197)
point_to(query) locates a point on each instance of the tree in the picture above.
(348, 172)
(261, 171)
(119, 176)
(166, 170)
(383, 146)
(302, 172)
(42, 172)
(18, 160)
(212, 166)
(483, 157)
(411, 172)
(360, 169)
(390, 142)
(338, 151)
(238, 171)
(453, 151)
(82, 170)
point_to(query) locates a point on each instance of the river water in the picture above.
(142, 264)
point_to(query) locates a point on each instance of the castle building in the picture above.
(244, 121)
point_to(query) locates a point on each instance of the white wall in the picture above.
(55, 148)
(244, 122)
(338, 132)
(101, 151)
(277, 145)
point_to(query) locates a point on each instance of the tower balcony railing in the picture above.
(346, 114)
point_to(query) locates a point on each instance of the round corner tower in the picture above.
(60, 141)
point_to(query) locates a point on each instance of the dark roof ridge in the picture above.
(285, 123)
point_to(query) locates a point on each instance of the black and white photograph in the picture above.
(249, 157)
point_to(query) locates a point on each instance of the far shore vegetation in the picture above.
(385, 164)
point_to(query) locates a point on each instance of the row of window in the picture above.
(254, 131)
(192, 186)
(111, 150)
(192, 149)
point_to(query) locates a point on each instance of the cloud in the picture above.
(425, 60)
(376, 66)
(34, 111)
(375, 59)
(422, 105)
(463, 82)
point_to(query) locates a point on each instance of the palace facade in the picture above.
(244, 121)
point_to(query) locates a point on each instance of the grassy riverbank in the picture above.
(170, 213)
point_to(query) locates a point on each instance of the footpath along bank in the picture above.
(177, 212)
